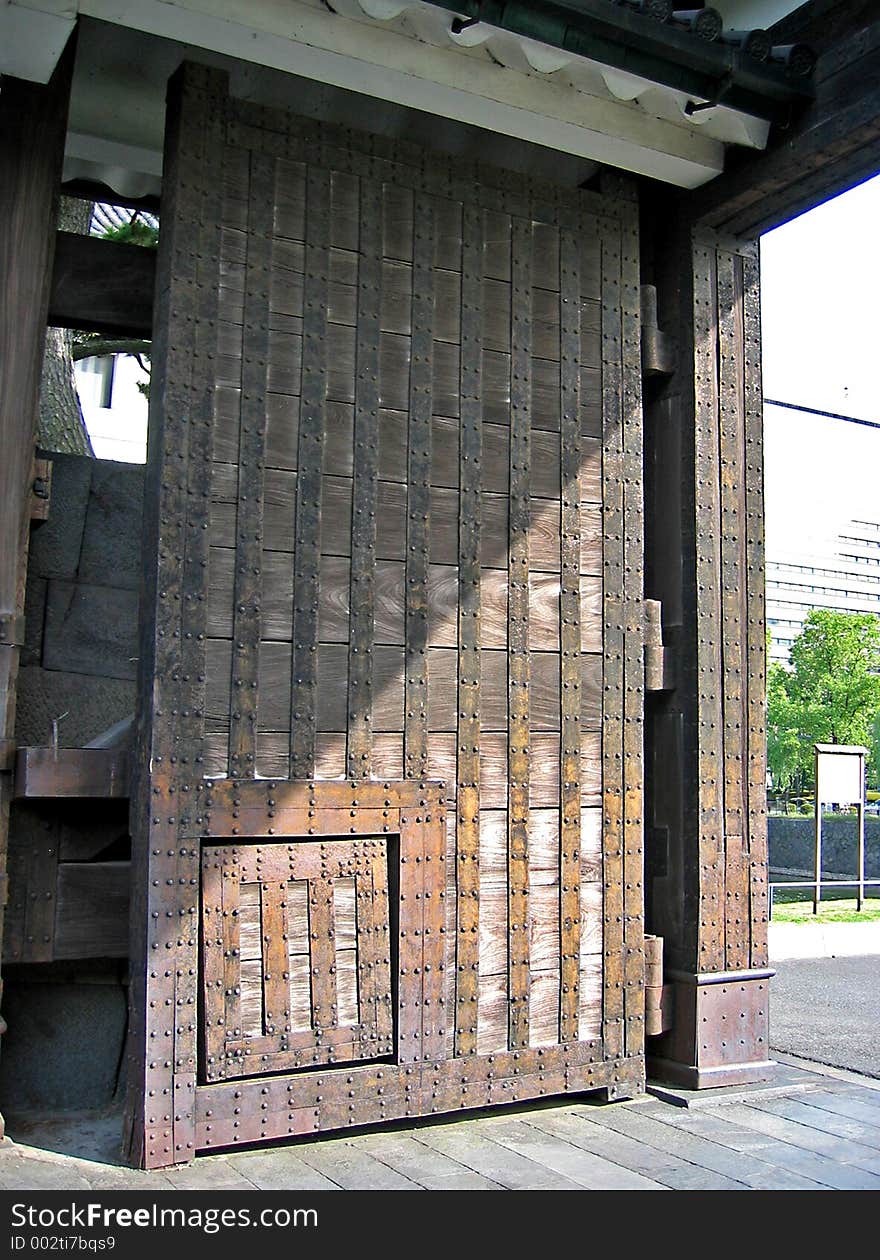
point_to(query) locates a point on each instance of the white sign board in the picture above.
(840, 776)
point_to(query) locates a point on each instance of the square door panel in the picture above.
(296, 955)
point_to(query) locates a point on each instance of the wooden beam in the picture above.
(79, 772)
(832, 145)
(33, 121)
(102, 286)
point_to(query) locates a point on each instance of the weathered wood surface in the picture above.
(383, 373)
(77, 772)
(102, 286)
(92, 911)
(33, 122)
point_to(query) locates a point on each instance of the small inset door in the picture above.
(296, 955)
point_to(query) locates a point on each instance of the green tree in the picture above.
(832, 693)
(784, 750)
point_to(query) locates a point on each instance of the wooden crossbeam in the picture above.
(102, 286)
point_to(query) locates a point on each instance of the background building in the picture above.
(823, 525)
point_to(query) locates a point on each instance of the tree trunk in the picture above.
(62, 427)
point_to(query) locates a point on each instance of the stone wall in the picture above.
(80, 655)
(792, 844)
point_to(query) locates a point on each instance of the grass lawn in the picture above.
(841, 910)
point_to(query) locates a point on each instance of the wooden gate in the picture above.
(388, 831)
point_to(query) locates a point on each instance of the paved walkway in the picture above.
(804, 1130)
(825, 997)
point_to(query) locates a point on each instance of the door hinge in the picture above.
(658, 997)
(658, 348)
(659, 656)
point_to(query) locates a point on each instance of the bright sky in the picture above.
(821, 306)
(820, 310)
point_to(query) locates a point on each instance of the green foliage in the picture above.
(831, 695)
(134, 231)
(783, 743)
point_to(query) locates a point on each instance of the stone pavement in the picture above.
(808, 1128)
(825, 997)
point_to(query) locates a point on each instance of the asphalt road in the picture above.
(828, 1010)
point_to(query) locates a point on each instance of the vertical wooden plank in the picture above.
(415, 735)
(246, 617)
(708, 549)
(366, 479)
(310, 459)
(634, 682)
(733, 604)
(613, 617)
(348, 1004)
(518, 659)
(756, 745)
(469, 619)
(570, 636)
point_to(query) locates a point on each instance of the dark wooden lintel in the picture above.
(102, 286)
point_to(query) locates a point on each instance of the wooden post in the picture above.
(706, 829)
(33, 121)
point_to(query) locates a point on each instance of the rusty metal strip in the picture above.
(383, 1019)
(469, 621)
(634, 670)
(310, 459)
(230, 897)
(409, 989)
(518, 659)
(275, 797)
(756, 746)
(183, 756)
(367, 889)
(323, 954)
(246, 617)
(613, 618)
(415, 734)
(570, 636)
(433, 826)
(215, 998)
(733, 599)
(278, 1106)
(366, 483)
(252, 821)
(708, 559)
(276, 977)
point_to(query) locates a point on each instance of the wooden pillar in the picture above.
(33, 120)
(706, 834)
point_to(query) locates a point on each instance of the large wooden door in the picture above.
(394, 659)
